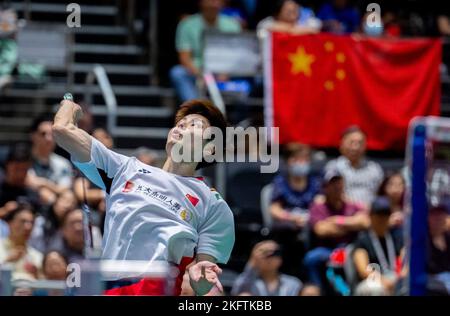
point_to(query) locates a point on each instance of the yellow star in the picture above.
(301, 62)
(329, 85)
(340, 74)
(329, 46)
(340, 57)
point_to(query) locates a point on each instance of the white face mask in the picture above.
(299, 169)
(373, 30)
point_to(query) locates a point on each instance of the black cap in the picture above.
(381, 206)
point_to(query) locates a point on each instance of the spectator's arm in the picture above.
(185, 58)
(356, 222)
(93, 196)
(327, 228)
(443, 23)
(278, 213)
(361, 260)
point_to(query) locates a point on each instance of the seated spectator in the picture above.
(287, 18)
(338, 16)
(48, 224)
(393, 188)
(26, 261)
(189, 45)
(335, 223)
(261, 276)
(15, 186)
(438, 256)
(294, 191)
(54, 266)
(362, 177)
(377, 248)
(146, 155)
(50, 173)
(70, 239)
(8, 45)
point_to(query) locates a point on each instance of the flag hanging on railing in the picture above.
(317, 85)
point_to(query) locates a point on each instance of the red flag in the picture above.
(317, 85)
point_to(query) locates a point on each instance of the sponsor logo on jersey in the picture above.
(186, 215)
(144, 171)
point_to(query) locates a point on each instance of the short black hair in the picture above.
(38, 121)
(207, 109)
(352, 129)
(20, 208)
(19, 152)
(278, 6)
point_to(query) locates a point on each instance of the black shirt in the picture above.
(364, 242)
(438, 260)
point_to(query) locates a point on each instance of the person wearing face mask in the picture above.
(293, 192)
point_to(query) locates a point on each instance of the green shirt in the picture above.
(190, 30)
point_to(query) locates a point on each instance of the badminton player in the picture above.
(156, 214)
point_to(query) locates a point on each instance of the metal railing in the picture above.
(98, 74)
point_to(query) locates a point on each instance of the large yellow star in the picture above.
(301, 62)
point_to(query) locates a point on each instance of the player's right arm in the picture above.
(67, 135)
(98, 163)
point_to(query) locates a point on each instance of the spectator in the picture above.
(189, 45)
(50, 174)
(146, 155)
(70, 239)
(393, 188)
(338, 16)
(54, 266)
(262, 277)
(335, 223)
(362, 177)
(26, 260)
(293, 193)
(377, 248)
(438, 257)
(47, 225)
(8, 46)
(287, 17)
(15, 187)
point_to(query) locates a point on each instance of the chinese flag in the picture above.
(317, 85)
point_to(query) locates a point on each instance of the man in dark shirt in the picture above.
(377, 252)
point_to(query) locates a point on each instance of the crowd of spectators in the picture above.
(294, 17)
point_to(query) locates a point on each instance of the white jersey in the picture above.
(154, 215)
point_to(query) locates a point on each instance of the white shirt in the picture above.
(362, 183)
(154, 215)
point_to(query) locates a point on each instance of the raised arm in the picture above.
(67, 135)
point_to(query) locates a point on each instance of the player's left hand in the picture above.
(203, 276)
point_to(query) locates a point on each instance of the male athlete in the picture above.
(157, 214)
